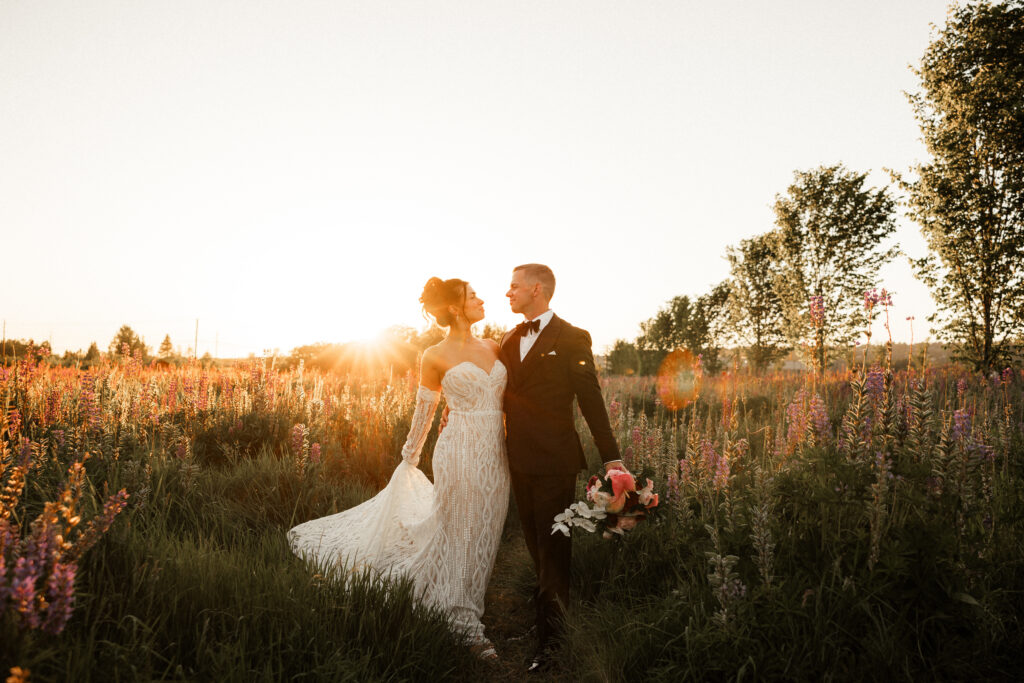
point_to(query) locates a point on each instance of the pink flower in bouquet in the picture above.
(647, 497)
(622, 485)
(627, 523)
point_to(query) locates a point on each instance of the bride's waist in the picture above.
(475, 411)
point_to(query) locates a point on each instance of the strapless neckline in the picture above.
(494, 367)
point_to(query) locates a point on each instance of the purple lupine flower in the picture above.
(722, 472)
(874, 384)
(314, 454)
(636, 436)
(172, 394)
(870, 298)
(819, 417)
(673, 486)
(298, 437)
(60, 592)
(1006, 375)
(23, 589)
(708, 455)
(796, 416)
(685, 471)
(204, 391)
(961, 424)
(985, 451)
(613, 409)
(817, 309)
(961, 388)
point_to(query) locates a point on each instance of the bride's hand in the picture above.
(444, 421)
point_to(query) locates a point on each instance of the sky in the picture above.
(290, 172)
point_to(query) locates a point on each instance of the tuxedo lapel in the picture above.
(545, 342)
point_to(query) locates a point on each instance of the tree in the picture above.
(969, 201)
(166, 348)
(624, 358)
(828, 245)
(755, 310)
(697, 325)
(127, 340)
(93, 354)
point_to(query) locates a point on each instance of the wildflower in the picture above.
(961, 424)
(874, 384)
(673, 486)
(721, 479)
(819, 417)
(1006, 376)
(708, 454)
(817, 310)
(60, 591)
(961, 388)
(314, 454)
(298, 438)
(685, 471)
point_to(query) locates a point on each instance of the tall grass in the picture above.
(849, 525)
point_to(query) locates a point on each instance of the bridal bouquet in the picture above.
(617, 505)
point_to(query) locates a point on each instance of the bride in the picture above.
(444, 535)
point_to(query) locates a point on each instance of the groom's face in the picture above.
(521, 292)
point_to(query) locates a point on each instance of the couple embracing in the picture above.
(509, 423)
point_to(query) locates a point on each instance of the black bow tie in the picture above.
(529, 326)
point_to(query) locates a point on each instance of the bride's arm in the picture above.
(428, 395)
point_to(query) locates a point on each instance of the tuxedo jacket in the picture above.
(540, 429)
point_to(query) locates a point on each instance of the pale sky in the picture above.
(293, 171)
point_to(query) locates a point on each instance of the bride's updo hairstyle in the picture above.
(439, 294)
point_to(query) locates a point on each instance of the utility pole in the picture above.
(195, 345)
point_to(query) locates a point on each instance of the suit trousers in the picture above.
(539, 498)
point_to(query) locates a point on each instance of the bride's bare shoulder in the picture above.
(492, 345)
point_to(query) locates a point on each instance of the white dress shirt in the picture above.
(527, 340)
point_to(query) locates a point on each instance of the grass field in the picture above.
(852, 526)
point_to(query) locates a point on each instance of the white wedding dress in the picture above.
(443, 535)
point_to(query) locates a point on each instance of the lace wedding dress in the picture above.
(443, 535)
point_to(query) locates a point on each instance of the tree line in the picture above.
(811, 282)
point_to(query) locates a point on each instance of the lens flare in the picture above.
(679, 379)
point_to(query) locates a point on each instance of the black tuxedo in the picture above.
(544, 450)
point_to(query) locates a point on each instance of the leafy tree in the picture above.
(828, 244)
(126, 339)
(969, 200)
(492, 331)
(624, 358)
(93, 354)
(166, 348)
(697, 325)
(754, 307)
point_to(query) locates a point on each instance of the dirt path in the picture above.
(509, 613)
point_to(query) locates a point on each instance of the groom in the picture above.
(549, 364)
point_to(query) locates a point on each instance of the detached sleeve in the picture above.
(422, 418)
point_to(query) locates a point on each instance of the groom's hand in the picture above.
(615, 465)
(444, 421)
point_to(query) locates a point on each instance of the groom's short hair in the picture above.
(539, 273)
